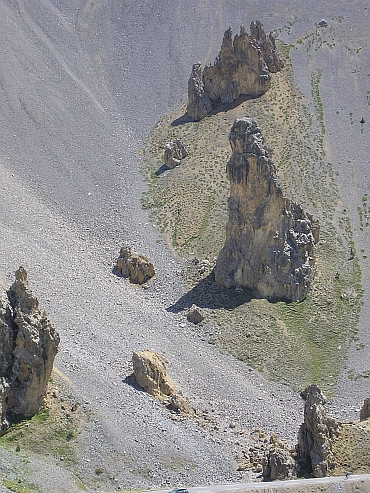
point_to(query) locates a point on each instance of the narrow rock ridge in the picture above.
(270, 240)
(242, 67)
(28, 345)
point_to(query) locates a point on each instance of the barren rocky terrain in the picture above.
(83, 83)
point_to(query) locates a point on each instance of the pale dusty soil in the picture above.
(81, 85)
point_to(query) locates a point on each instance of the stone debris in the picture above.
(136, 268)
(174, 153)
(28, 345)
(270, 240)
(195, 315)
(242, 67)
(278, 463)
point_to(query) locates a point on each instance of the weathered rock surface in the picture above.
(136, 268)
(242, 67)
(195, 315)
(279, 463)
(365, 410)
(150, 374)
(28, 345)
(269, 245)
(314, 453)
(174, 153)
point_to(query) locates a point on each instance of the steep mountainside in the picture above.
(82, 84)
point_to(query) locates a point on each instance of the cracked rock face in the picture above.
(242, 67)
(269, 245)
(28, 345)
(314, 454)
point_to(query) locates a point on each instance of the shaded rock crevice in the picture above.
(270, 240)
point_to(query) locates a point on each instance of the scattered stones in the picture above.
(270, 240)
(150, 374)
(242, 67)
(314, 453)
(195, 315)
(365, 410)
(28, 345)
(279, 462)
(180, 404)
(136, 268)
(174, 153)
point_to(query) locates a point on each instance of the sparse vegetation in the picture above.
(297, 343)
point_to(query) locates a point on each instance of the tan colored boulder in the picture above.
(28, 345)
(150, 374)
(136, 268)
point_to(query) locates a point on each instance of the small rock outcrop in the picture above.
(314, 453)
(279, 463)
(365, 410)
(270, 240)
(195, 315)
(174, 153)
(28, 345)
(150, 374)
(136, 268)
(242, 67)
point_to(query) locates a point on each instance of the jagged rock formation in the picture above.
(314, 454)
(269, 245)
(150, 374)
(195, 315)
(136, 268)
(365, 410)
(279, 463)
(174, 153)
(28, 345)
(242, 67)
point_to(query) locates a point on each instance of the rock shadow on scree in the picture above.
(208, 294)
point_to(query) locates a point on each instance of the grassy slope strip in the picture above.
(296, 343)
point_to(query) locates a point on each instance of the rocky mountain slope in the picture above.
(82, 84)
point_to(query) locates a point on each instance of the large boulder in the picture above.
(28, 345)
(270, 240)
(136, 268)
(242, 67)
(150, 374)
(173, 154)
(315, 436)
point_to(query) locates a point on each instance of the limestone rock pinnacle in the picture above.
(269, 245)
(28, 345)
(242, 67)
